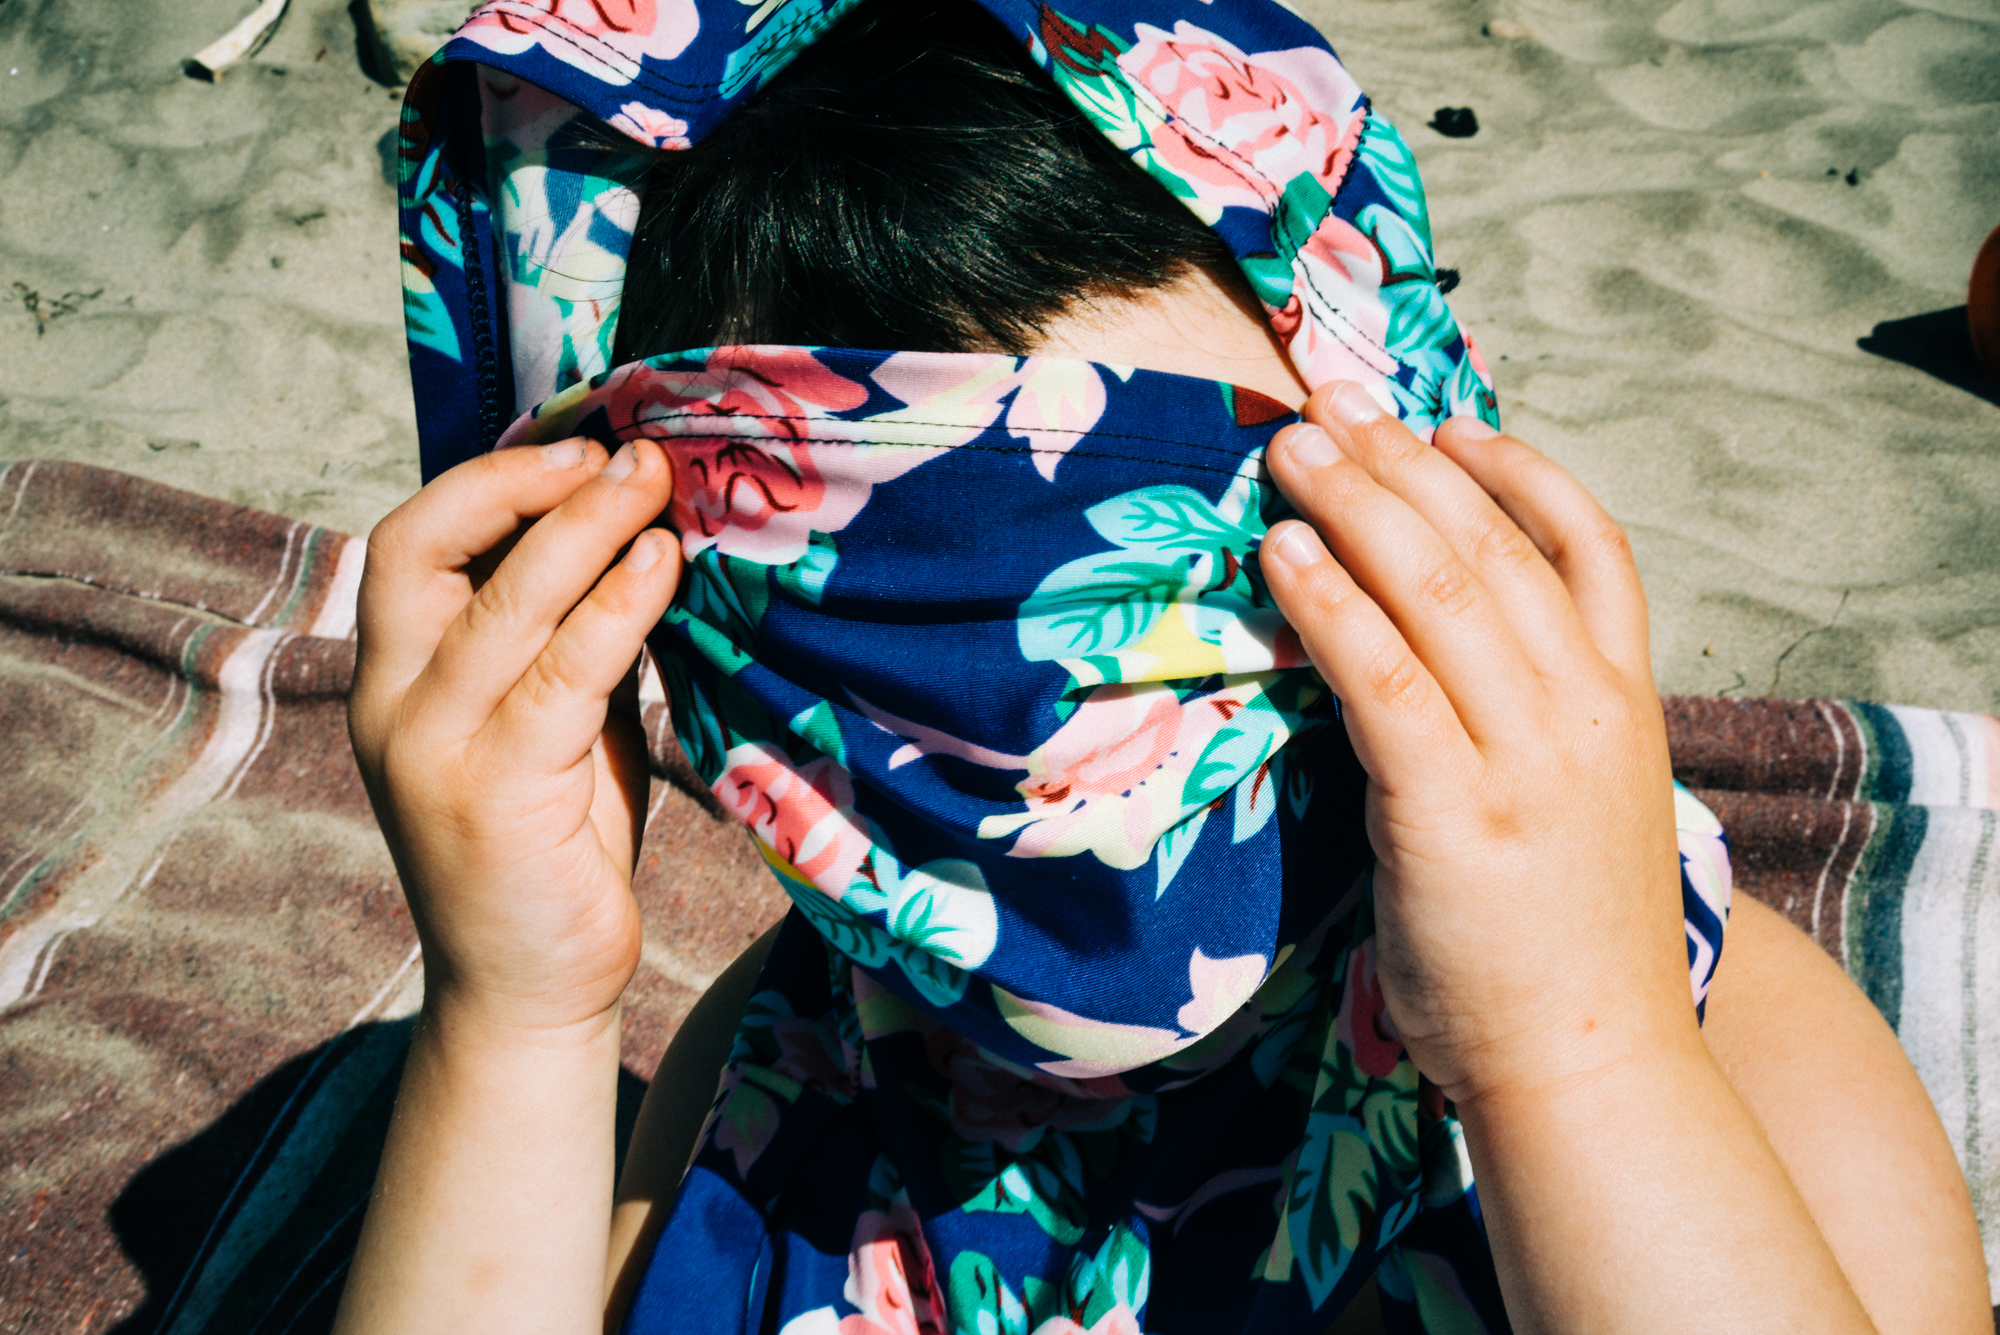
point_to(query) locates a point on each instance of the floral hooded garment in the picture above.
(1075, 1025)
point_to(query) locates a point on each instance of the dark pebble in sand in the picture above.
(1455, 122)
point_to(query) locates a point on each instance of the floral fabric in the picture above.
(1075, 1026)
(1077, 1018)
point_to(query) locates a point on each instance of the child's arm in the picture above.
(1492, 664)
(479, 718)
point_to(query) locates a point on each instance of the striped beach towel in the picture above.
(1872, 827)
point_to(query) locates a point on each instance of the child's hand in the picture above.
(492, 641)
(1494, 679)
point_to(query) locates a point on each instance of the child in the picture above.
(1078, 1021)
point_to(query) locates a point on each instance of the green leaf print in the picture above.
(806, 577)
(942, 908)
(1045, 1300)
(425, 315)
(1331, 1200)
(1394, 168)
(1120, 1274)
(1234, 753)
(1256, 799)
(1098, 604)
(1271, 278)
(1169, 519)
(1387, 1107)
(1301, 209)
(819, 728)
(1045, 1183)
(1109, 601)
(695, 721)
(1107, 104)
(721, 603)
(1174, 847)
(1419, 320)
(979, 1301)
(938, 981)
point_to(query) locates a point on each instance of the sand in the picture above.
(1663, 257)
(247, 340)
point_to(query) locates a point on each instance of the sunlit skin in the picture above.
(1202, 324)
(1780, 1169)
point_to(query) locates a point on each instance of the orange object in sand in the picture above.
(1982, 307)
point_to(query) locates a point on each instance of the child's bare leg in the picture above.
(1843, 1108)
(669, 1122)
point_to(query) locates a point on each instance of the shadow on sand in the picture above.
(1938, 344)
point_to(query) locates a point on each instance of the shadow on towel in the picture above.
(248, 1227)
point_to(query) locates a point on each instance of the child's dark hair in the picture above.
(911, 181)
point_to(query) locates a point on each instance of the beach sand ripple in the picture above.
(1675, 225)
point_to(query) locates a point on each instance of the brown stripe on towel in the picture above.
(1811, 748)
(1797, 854)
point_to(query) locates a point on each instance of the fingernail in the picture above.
(1471, 428)
(1309, 447)
(562, 454)
(1352, 404)
(647, 548)
(1298, 546)
(621, 465)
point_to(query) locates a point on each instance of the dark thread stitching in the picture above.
(560, 28)
(957, 426)
(593, 46)
(1250, 177)
(625, 432)
(484, 354)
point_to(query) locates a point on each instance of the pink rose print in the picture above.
(890, 1276)
(1245, 125)
(1363, 1023)
(1055, 401)
(993, 1101)
(813, 1056)
(1058, 401)
(806, 816)
(1220, 987)
(604, 38)
(1110, 781)
(755, 474)
(651, 126)
(1341, 280)
(1087, 785)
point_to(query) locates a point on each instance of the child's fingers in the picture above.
(1405, 732)
(513, 616)
(415, 581)
(556, 709)
(1525, 589)
(1584, 544)
(1411, 573)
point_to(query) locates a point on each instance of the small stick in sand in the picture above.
(240, 41)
